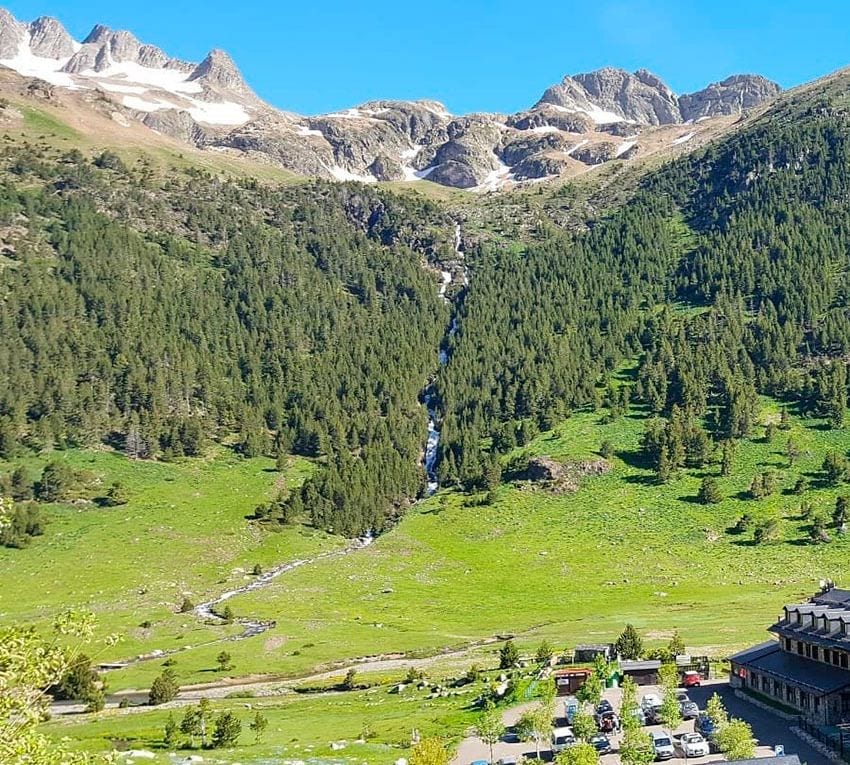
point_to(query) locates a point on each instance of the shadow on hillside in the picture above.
(691, 499)
(641, 480)
(634, 459)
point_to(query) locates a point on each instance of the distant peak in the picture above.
(218, 70)
(98, 34)
(48, 38)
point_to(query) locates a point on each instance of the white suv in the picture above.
(663, 746)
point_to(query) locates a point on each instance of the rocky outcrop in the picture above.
(562, 477)
(734, 95)
(12, 32)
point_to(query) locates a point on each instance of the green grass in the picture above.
(182, 532)
(300, 727)
(40, 121)
(571, 568)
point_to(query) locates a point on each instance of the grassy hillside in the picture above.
(572, 568)
(183, 532)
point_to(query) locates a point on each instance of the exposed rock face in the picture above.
(614, 95)
(219, 71)
(732, 96)
(583, 121)
(12, 32)
(49, 39)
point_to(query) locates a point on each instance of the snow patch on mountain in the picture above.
(624, 147)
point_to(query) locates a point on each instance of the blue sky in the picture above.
(320, 55)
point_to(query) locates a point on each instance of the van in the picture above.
(562, 738)
(662, 744)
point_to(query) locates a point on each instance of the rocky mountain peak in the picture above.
(49, 39)
(98, 35)
(219, 71)
(12, 32)
(733, 95)
(610, 95)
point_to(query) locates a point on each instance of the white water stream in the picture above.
(433, 442)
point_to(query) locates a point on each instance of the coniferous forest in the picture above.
(155, 316)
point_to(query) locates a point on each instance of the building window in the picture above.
(804, 700)
(787, 644)
(815, 652)
(791, 694)
(826, 655)
(817, 704)
(765, 684)
(799, 648)
(836, 658)
(843, 661)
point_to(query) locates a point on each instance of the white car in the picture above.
(650, 700)
(663, 746)
(692, 745)
(562, 738)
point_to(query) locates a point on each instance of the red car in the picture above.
(691, 679)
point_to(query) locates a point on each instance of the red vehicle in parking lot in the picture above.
(691, 679)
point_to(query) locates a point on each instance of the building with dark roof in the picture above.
(808, 667)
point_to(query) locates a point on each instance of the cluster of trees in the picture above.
(58, 482)
(201, 728)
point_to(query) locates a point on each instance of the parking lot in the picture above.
(768, 729)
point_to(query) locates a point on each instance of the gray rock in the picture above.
(386, 169)
(733, 95)
(12, 33)
(640, 97)
(219, 71)
(49, 39)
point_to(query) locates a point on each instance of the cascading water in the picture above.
(428, 396)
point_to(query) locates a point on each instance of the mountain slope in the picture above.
(584, 121)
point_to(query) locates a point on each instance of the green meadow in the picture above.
(571, 568)
(182, 533)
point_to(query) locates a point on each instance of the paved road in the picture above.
(768, 729)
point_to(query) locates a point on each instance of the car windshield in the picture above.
(661, 741)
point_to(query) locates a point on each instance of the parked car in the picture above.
(608, 722)
(571, 707)
(663, 746)
(479, 762)
(705, 726)
(653, 715)
(650, 700)
(691, 679)
(507, 761)
(689, 710)
(691, 744)
(603, 706)
(562, 738)
(601, 744)
(682, 696)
